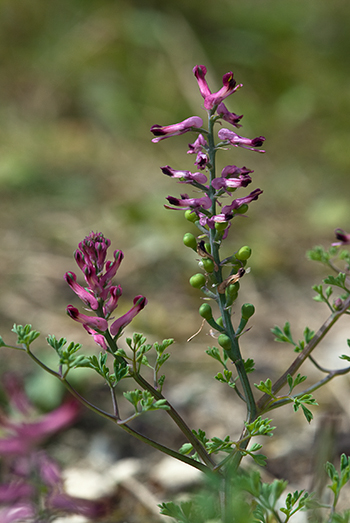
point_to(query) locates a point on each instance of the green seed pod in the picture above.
(220, 322)
(232, 289)
(247, 311)
(208, 264)
(244, 253)
(205, 311)
(190, 241)
(220, 226)
(230, 299)
(197, 280)
(224, 341)
(207, 247)
(242, 209)
(191, 216)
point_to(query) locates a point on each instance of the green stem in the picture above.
(235, 353)
(280, 402)
(198, 447)
(166, 450)
(309, 347)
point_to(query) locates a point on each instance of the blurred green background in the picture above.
(81, 83)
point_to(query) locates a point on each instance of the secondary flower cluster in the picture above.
(232, 177)
(31, 481)
(100, 295)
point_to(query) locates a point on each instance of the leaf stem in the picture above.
(302, 356)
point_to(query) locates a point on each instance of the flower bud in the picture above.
(190, 241)
(208, 264)
(224, 341)
(191, 216)
(197, 280)
(207, 247)
(205, 311)
(244, 253)
(338, 303)
(247, 311)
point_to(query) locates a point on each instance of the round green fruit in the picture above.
(244, 253)
(197, 280)
(191, 216)
(242, 209)
(224, 341)
(190, 241)
(205, 311)
(220, 226)
(247, 311)
(208, 264)
(232, 289)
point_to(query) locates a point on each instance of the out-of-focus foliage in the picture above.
(81, 83)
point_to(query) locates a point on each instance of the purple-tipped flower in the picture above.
(100, 295)
(112, 303)
(227, 210)
(18, 437)
(240, 141)
(17, 512)
(98, 324)
(93, 250)
(198, 145)
(231, 183)
(201, 160)
(342, 236)
(231, 118)
(162, 132)
(233, 170)
(189, 203)
(212, 99)
(184, 176)
(82, 293)
(123, 321)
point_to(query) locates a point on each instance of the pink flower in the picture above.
(112, 303)
(342, 236)
(93, 250)
(123, 321)
(19, 436)
(201, 160)
(184, 176)
(212, 99)
(198, 145)
(228, 209)
(225, 114)
(231, 183)
(82, 293)
(17, 513)
(99, 324)
(189, 203)
(162, 132)
(239, 141)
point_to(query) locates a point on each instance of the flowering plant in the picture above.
(233, 493)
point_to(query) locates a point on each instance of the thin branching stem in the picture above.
(302, 356)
